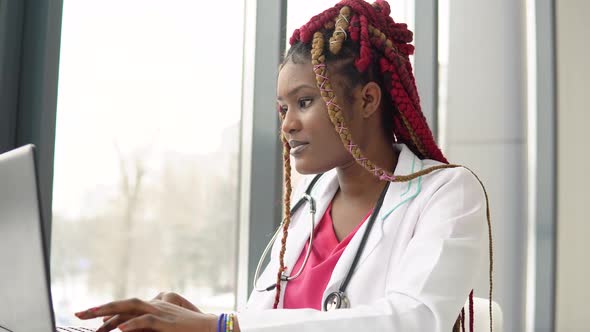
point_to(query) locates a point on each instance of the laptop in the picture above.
(25, 293)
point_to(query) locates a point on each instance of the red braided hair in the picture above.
(377, 30)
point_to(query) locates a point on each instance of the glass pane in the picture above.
(300, 12)
(146, 157)
(482, 124)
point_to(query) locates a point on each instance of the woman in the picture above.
(401, 234)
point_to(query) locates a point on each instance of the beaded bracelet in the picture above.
(229, 319)
(225, 323)
(221, 323)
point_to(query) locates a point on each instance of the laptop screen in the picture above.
(25, 300)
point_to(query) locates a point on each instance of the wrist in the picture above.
(236, 324)
(213, 322)
(222, 323)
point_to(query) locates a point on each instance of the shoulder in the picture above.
(433, 176)
(457, 179)
(452, 196)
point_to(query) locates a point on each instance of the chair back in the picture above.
(481, 315)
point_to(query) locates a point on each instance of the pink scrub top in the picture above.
(306, 290)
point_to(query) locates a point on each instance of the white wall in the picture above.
(484, 129)
(573, 177)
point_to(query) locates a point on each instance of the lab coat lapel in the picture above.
(397, 194)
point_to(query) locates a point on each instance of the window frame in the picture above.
(261, 171)
(30, 36)
(541, 128)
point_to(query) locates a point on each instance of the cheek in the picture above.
(330, 149)
(326, 136)
(327, 150)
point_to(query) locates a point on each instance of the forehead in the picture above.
(293, 75)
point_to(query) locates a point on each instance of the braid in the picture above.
(471, 311)
(382, 7)
(335, 112)
(306, 32)
(457, 325)
(364, 60)
(287, 213)
(408, 104)
(361, 8)
(463, 319)
(380, 42)
(340, 28)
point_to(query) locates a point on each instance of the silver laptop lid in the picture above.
(25, 298)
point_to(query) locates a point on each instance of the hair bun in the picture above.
(294, 38)
(382, 7)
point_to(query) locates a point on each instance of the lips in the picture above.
(294, 143)
(297, 146)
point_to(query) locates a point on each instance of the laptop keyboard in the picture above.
(73, 329)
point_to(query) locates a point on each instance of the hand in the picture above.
(174, 298)
(111, 322)
(155, 315)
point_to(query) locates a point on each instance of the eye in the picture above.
(281, 109)
(305, 102)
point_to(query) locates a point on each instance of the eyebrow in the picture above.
(295, 90)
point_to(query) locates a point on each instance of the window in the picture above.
(146, 156)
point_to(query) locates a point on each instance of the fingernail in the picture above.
(122, 327)
(83, 313)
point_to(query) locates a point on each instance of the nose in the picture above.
(291, 123)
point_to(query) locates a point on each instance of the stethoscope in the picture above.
(337, 299)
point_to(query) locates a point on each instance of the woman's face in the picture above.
(315, 145)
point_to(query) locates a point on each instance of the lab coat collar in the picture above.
(323, 193)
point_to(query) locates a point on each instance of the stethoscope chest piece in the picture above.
(336, 300)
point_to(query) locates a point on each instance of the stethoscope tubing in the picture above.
(312, 207)
(284, 277)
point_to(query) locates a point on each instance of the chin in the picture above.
(306, 167)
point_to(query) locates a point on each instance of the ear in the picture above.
(371, 99)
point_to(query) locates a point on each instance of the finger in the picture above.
(179, 300)
(104, 319)
(148, 321)
(131, 306)
(112, 323)
(171, 297)
(159, 296)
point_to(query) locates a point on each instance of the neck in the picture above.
(359, 184)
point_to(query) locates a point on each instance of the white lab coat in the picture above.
(419, 264)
